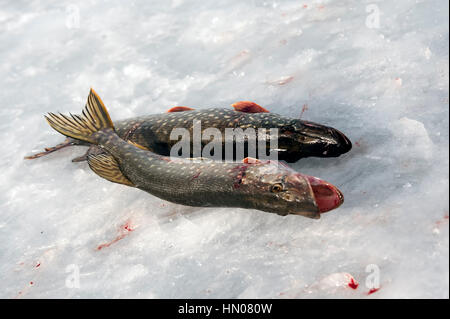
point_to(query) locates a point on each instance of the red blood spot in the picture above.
(241, 169)
(444, 220)
(358, 142)
(371, 291)
(353, 283)
(31, 283)
(123, 232)
(304, 108)
(196, 176)
(131, 131)
(38, 265)
(127, 227)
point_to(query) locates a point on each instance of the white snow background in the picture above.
(384, 85)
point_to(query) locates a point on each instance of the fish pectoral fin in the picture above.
(106, 166)
(179, 109)
(138, 145)
(248, 107)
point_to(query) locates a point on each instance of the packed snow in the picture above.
(376, 70)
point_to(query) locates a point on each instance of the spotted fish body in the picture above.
(204, 183)
(296, 138)
(262, 185)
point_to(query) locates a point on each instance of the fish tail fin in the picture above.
(94, 118)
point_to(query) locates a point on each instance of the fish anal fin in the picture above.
(179, 109)
(106, 166)
(138, 145)
(249, 107)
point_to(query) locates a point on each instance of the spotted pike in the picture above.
(254, 184)
(296, 138)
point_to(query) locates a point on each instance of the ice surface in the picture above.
(384, 83)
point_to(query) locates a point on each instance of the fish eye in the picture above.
(276, 188)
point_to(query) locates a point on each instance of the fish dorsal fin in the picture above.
(251, 160)
(106, 166)
(248, 107)
(138, 145)
(179, 109)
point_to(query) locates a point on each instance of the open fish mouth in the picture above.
(316, 195)
(327, 196)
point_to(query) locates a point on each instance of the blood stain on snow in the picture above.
(444, 220)
(38, 265)
(438, 224)
(124, 230)
(304, 109)
(371, 291)
(353, 283)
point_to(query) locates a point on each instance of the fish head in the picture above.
(277, 188)
(300, 139)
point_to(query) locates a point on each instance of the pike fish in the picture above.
(296, 138)
(253, 184)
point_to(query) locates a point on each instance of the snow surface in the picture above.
(385, 86)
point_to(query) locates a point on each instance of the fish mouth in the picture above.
(321, 197)
(343, 143)
(327, 196)
(312, 140)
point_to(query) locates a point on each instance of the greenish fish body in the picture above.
(295, 138)
(263, 185)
